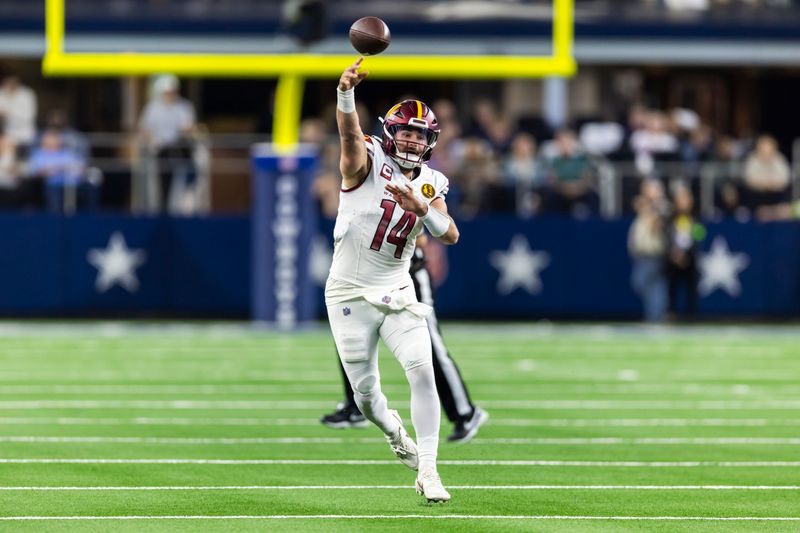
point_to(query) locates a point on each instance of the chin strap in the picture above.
(405, 162)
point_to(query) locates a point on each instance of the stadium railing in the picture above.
(221, 156)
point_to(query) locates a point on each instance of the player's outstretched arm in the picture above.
(353, 163)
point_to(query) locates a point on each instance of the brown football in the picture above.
(370, 36)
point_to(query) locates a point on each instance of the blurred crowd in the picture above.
(40, 167)
(46, 165)
(497, 164)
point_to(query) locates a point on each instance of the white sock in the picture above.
(425, 413)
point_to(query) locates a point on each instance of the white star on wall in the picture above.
(116, 264)
(719, 269)
(519, 266)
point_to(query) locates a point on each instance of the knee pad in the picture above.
(366, 385)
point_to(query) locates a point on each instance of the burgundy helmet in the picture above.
(409, 114)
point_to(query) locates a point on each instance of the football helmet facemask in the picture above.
(415, 115)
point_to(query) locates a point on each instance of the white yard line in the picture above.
(638, 387)
(314, 422)
(406, 487)
(420, 516)
(44, 372)
(161, 421)
(571, 441)
(499, 351)
(496, 404)
(127, 388)
(124, 332)
(644, 422)
(613, 464)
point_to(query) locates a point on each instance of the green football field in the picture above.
(214, 427)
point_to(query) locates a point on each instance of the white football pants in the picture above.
(356, 326)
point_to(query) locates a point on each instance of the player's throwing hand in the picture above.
(351, 76)
(405, 198)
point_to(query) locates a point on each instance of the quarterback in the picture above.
(388, 195)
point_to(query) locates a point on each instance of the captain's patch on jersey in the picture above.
(428, 191)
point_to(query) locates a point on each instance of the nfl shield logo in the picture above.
(386, 299)
(346, 311)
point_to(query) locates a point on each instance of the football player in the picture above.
(388, 195)
(466, 417)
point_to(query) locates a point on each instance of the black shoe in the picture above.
(345, 416)
(467, 428)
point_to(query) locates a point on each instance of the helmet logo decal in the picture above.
(393, 110)
(428, 191)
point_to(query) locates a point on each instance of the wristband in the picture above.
(345, 100)
(437, 222)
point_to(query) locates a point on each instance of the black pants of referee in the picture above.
(451, 387)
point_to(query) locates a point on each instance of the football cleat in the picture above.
(430, 485)
(402, 445)
(466, 429)
(345, 416)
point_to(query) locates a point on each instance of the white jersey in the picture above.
(374, 238)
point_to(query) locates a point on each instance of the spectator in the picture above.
(684, 233)
(653, 140)
(9, 173)
(766, 174)
(475, 179)
(63, 172)
(445, 158)
(447, 114)
(18, 111)
(312, 131)
(523, 174)
(500, 134)
(602, 137)
(647, 244)
(725, 168)
(71, 138)
(696, 148)
(166, 127)
(570, 188)
(637, 120)
(684, 121)
(484, 114)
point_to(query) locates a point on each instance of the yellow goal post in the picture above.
(292, 69)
